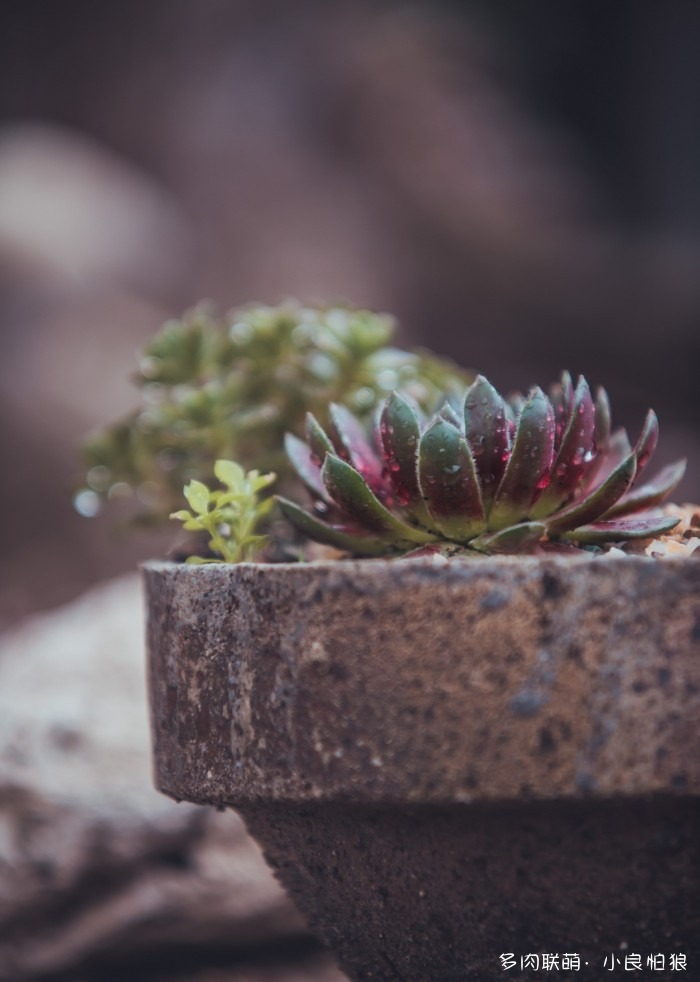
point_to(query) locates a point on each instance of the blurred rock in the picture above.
(58, 382)
(93, 253)
(71, 209)
(96, 868)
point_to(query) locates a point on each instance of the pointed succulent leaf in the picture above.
(603, 421)
(515, 538)
(567, 385)
(328, 535)
(399, 434)
(449, 413)
(598, 502)
(646, 444)
(601, 440)
(486, 429)
(351, 443)
(619, 529)
(317, 438)
(562, 399)
(347, 432)
(602, 466)
(352, 495)
(574, 454)
(529, 463)
(652, 493)
(515, 402)
(304, 462)
(448, 482)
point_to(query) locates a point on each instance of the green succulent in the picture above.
(230, 387)
(496, 476)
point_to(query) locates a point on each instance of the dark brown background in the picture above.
(518, 182)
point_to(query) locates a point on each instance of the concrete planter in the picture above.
(446, 762)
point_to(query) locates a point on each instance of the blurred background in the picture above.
(518, 183)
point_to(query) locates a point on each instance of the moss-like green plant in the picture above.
(230, 387)
(229, 516)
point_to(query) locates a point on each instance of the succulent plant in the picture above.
(498, 476)
(229, 387)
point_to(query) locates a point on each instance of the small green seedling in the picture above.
(231, 516)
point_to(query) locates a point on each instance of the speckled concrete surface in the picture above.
(380, 689)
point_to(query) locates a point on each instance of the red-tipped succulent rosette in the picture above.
(499, 476)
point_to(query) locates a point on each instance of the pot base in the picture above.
(598, 879)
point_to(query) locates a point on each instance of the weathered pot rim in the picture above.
(432, 562)
(435, 567)
(630, 704)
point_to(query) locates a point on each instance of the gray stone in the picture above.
(95, 865)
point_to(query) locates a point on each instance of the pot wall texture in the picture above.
(448, 761)
(378, 681)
